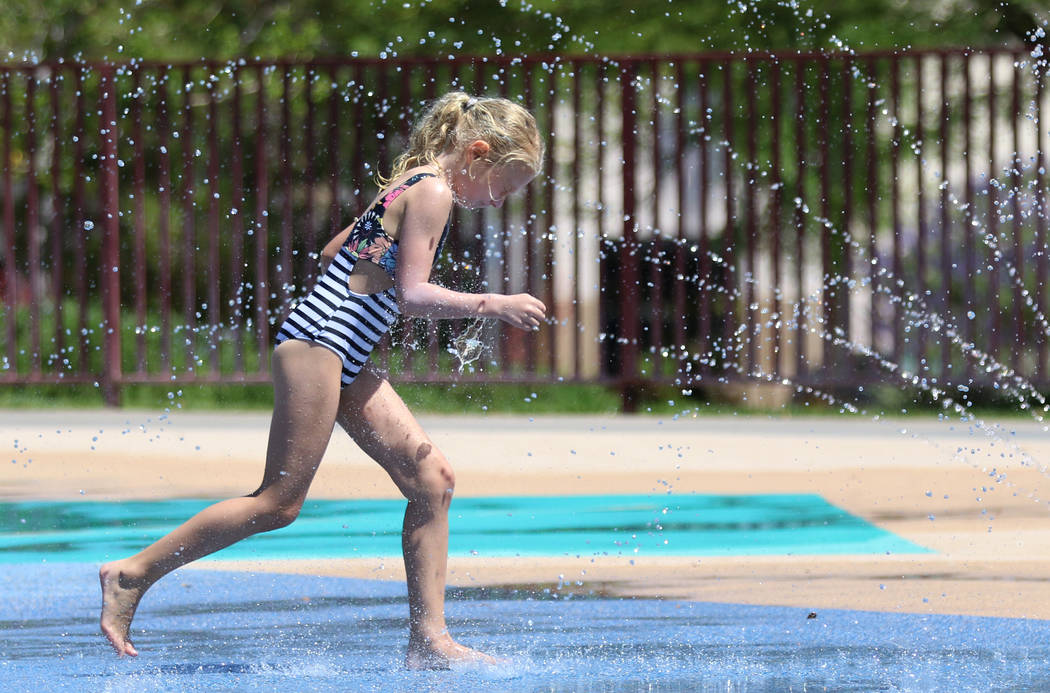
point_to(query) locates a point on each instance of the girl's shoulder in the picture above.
(428, 200)
(429, 182)
(424, 187)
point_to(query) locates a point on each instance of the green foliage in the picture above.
(225, 29)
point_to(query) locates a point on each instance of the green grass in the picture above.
(461, 398)
(421, 398)
(189, 350)
(473, 399)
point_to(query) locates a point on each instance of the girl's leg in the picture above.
(380, 423)
(306, 396)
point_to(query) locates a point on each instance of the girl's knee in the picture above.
(284, 515)
(434, 481)
(274, 512)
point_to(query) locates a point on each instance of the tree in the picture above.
(227, 29)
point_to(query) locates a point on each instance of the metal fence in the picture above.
(821, 220)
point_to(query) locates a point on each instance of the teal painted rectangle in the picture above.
(585, 526)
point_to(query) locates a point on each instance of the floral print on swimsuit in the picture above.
(368, 239)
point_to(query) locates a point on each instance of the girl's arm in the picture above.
(333, 246)
(419, 233)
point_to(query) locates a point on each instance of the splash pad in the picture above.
(964, 613)
(223, 631)
(747, 263)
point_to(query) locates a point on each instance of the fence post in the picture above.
(630, 251)
(8, 269)
(110, 279)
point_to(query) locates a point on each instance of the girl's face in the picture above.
(480, 184)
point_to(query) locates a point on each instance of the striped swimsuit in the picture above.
(348, 323)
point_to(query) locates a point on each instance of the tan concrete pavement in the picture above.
(974, 494)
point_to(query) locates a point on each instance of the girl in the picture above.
(466, 151)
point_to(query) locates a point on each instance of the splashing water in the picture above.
(256, 302)
(468, 347)
(212, 326)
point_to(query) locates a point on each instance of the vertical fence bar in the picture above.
(333, 150)
(992, 216)
(921, 333)
(968, 229)
(310, 238)
(406, 95)
(776, 208)
(409, 325)
(729, 236)
(262, 229)
(284, 266)
(79, 251)
(751, 229)
(706, 283)
(801, 365)
(33, 225)
(574, 313)
(164, 227)
(845, 234)
(110, 270)
(357, 162)
(656, 253)
(189, 214)
(629, 278)
(1015, 213)
(678, 317)
(529, 261)
(10, 266)
(872, 186)
(899, 349)
(139, 173)
(380, 101)
(508, 338)
(946, 221)
(215, 237)
(57, 224)
(237, 226)
(548, 235)
(1040, 224)
(603, 247)
(828, 290)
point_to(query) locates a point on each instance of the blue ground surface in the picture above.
(210, 631)
(642, 525)
(236, 631)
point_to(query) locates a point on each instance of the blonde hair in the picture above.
(457, 119)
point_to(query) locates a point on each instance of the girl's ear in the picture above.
(477, 149)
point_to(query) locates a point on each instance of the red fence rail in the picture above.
(820, 220)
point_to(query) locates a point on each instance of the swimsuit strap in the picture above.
(386, 199)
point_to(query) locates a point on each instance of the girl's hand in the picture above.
(523, 311)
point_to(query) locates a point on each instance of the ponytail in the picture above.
(456, 119)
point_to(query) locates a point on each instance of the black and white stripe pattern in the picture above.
(347, 323)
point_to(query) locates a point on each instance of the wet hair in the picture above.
(457, 119)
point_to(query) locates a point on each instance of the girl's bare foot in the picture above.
(443, 652)
(120, 597)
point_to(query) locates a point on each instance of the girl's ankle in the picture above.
(128, 575)
(427, 636)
